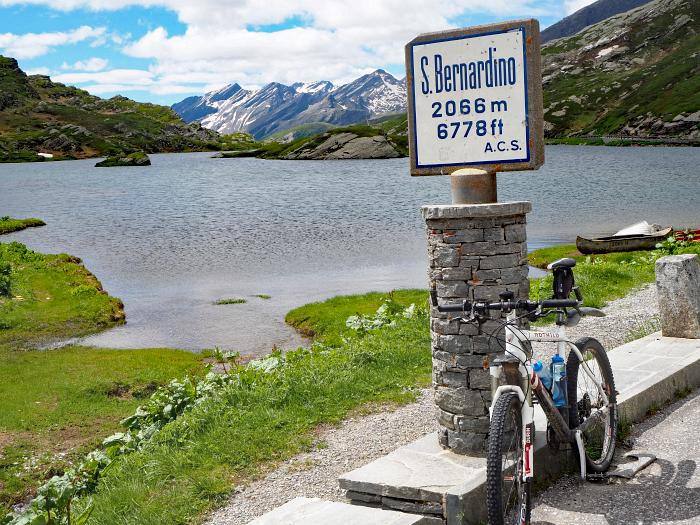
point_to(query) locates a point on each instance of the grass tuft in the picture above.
(235, 300)
(643, 329)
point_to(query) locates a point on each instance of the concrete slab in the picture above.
(314, 511)
(649, 371)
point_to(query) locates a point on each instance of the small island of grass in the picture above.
(9, 225)
(233, 300)
(138, 158)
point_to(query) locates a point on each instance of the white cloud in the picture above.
(156, 89)
(120, 80)
(114, 76)
(32, 45)
(340, 40)
(572, 6)
(91, 64)
(341, 43)
(38, 71)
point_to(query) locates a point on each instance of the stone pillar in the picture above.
(476, 251)
(678, 292)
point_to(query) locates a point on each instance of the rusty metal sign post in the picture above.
(475, 105)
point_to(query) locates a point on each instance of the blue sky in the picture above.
(164, 50)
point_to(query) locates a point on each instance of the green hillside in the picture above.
(637, 73)
(38, 115)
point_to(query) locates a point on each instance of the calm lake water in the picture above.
(173, 238)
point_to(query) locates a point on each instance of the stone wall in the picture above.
(475, 252)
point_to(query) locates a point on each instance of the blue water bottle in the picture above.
(544, 374)
(559, 381)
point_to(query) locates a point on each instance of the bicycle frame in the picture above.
(529, 383)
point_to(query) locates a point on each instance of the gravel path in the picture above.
(635, 312)
(359, 440)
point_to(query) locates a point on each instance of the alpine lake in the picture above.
(173, 238)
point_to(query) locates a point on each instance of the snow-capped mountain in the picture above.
(276, 107)
(195, 108)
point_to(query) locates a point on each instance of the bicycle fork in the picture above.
(527, 414)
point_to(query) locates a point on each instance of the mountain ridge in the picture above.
(276, 106)
(587, 16)
(643, 45)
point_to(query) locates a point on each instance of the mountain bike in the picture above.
(581, 408)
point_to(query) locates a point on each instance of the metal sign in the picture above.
(475, 99)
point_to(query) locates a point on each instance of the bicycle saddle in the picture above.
(566, 262)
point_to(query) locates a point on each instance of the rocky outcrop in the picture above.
(346, 146)
(59, 142)
(134, 159)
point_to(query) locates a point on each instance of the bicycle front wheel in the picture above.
(507, 495)
(585, 401)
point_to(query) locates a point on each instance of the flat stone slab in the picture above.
(648, 371)
(470, 211)
(419, 471)
(314, 511)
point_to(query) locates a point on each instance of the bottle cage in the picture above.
(563, 282)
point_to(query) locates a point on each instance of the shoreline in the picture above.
(611, 142)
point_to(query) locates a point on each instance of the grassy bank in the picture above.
(55, 404)
(602, 278)
(51, 297)
(195, 462)
(9, 225)
(325, 320)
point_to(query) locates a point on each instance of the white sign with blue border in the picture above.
(471, 101)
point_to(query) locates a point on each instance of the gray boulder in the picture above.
(678, 291)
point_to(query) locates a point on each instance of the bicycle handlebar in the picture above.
(522, 304)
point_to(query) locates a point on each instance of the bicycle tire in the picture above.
(579, 408)
(506, 410)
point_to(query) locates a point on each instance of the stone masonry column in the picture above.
(475, 251)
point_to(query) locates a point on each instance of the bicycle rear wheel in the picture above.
(507, 495)
(585, 400)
